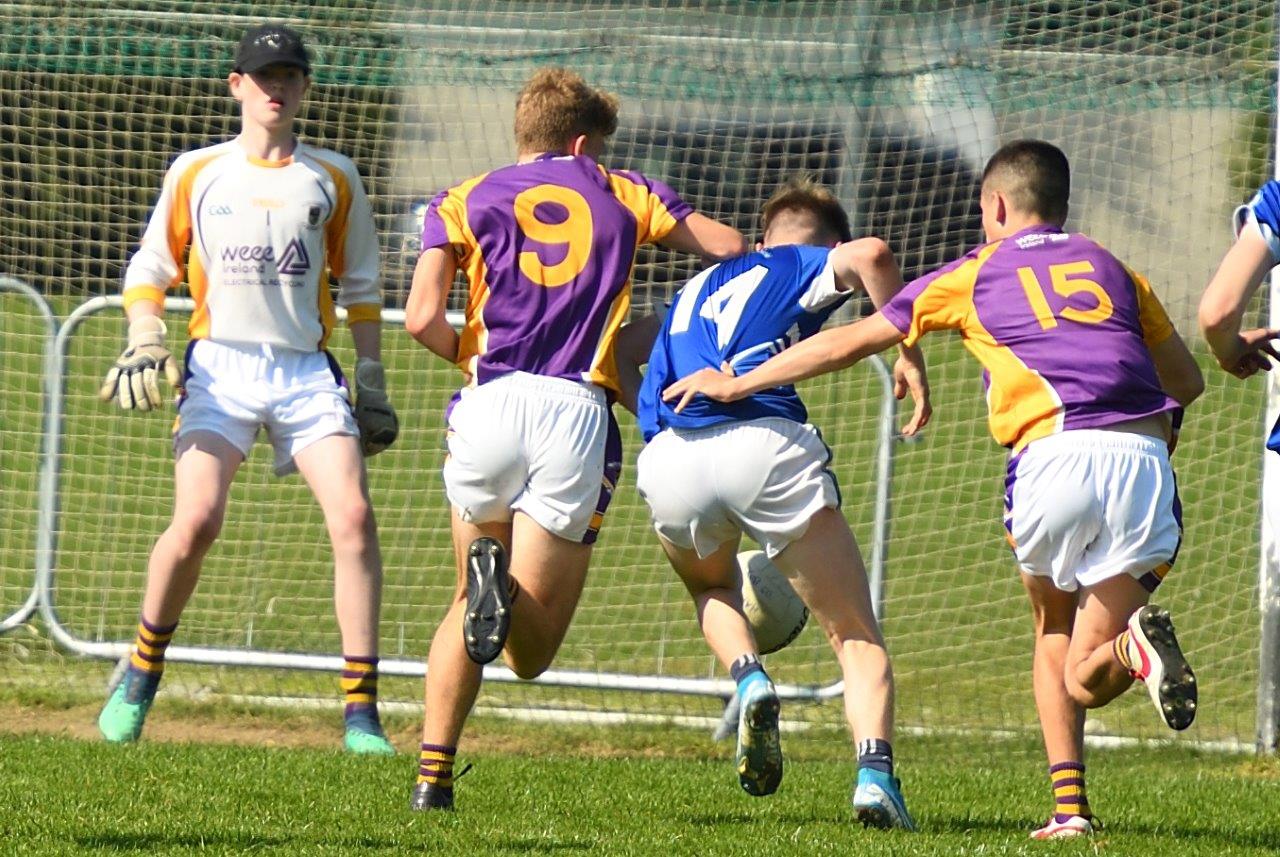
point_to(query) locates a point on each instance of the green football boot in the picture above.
(126, 710)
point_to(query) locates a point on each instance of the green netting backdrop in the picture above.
(1165, 109)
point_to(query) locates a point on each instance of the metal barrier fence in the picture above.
(46, 477)
(47, 555)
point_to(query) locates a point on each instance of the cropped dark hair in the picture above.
(1034, 175)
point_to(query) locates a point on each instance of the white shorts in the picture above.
(299, 397)
(1086, 505)
(764, 477)
(547, 447)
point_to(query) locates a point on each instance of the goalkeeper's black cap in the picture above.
(271, 44)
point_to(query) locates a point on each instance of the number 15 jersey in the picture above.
(1061, 326)
(547, 248)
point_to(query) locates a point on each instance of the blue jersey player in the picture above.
(716, 471)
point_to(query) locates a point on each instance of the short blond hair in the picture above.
(803, 196)
(556, 105)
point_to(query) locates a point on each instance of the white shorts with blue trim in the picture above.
(765, 478)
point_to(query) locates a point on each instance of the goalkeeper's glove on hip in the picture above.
(1263, 213)
(377, 420)
(134, 380)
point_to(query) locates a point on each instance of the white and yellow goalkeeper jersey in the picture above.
(261, 239)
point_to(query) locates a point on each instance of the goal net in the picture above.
(1164, 109)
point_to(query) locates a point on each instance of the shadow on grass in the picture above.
(148, 841)
(1176, 832)
(541, 845)
(725, 819)
(143, 842)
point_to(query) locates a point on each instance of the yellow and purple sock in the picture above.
(1120, 648)
(435, 765)
(360, 684)
(149, 648)
(1068, 791)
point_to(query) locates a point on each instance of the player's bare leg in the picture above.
(1093, 674)
(1118, 638)
(334, 470)
(714, 582)
(549, 574)
(1061, 717)
(205, 466)
(453, 678)
(206, 463)
(827, 571)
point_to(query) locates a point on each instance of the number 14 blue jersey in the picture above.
(739, 312)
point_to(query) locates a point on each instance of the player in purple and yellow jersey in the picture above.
(547, 245)
(257, 227)
(1086, 382)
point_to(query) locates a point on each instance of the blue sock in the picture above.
(139, 684)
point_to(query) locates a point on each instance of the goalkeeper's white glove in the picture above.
(377, 420)
(134, 380)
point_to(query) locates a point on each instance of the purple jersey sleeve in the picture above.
(435, 229)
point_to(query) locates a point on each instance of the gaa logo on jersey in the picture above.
(313, 216)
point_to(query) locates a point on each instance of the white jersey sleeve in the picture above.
(352, 241)
(158, 264)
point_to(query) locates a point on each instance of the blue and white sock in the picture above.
(746, 671)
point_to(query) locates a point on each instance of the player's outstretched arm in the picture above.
(821, 353)
(869, 264)
(424, 314)
(710, 239)
(1242, 270)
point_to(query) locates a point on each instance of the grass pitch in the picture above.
(65, 796)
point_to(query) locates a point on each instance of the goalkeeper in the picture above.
(1087, 379)
(266, 219)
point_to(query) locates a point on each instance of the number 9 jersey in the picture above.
(548, 247)
(1061, 326)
